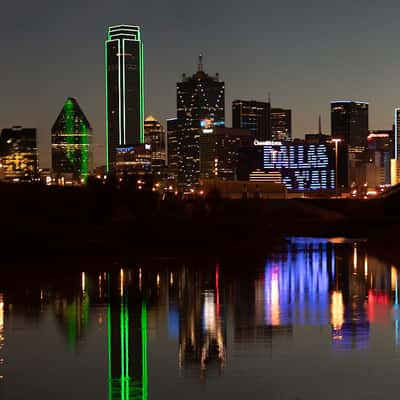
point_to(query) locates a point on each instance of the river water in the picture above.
(320, 321)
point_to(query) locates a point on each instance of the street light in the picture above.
(336, 141)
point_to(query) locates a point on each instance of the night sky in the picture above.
(306, 53)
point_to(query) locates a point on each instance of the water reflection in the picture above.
(205, 315)
(127, 338)
(201, 333)
(1, 334)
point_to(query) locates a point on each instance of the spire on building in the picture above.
(200, 69)
(319, 125)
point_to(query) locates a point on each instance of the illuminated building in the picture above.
(71, 143)
(281, 124)
(133, 160)
(253, 116)
(395, 160)
(154, 135)
(173, 150)
(18, 153)
(200, 104)
(371, 166)
(301, 166)
(219, 151)
(124, 89)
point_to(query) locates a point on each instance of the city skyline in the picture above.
(309, 68)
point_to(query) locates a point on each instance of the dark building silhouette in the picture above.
(173, 152)
(200, 105)
(18, 153)
(254, 116)
(71, 142)
(250, 158)
(281, 124)
(349, 122)
(124, 89)
(219, 152)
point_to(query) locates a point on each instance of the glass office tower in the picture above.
(349, 122)
(252, 115)
(200, 106)
(281, 124)
(124, 89)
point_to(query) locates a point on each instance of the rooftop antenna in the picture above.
(269, 97)
(319, 125)
(201, 62)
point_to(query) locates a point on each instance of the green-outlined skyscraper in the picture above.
(71, 143)
(124, 89)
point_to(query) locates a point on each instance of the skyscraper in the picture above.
(173, 152)
(124, 89)
(200, 105)
(154, 135)
(71, 143)
(18, 153)
(252, 115)
(349, 122)
(281, 124)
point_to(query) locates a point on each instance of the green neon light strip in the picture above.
(126, 333)
(69, 130)
(123, 90)
(144, 352)
(106, 77)
(141, 93)
(122, 333)
(72, 325)
(85, 152)
(119, 92)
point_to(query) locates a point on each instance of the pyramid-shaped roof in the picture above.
(71, 117)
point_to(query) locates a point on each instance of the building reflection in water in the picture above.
(2, 337)
(72, 313)
(349, 319)
(202, 338)
(127, 338)
(316, 283)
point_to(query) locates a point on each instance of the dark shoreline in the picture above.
(50, 226)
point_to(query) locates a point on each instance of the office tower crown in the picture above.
(124, 31)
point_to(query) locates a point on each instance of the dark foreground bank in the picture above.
(59, 223)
